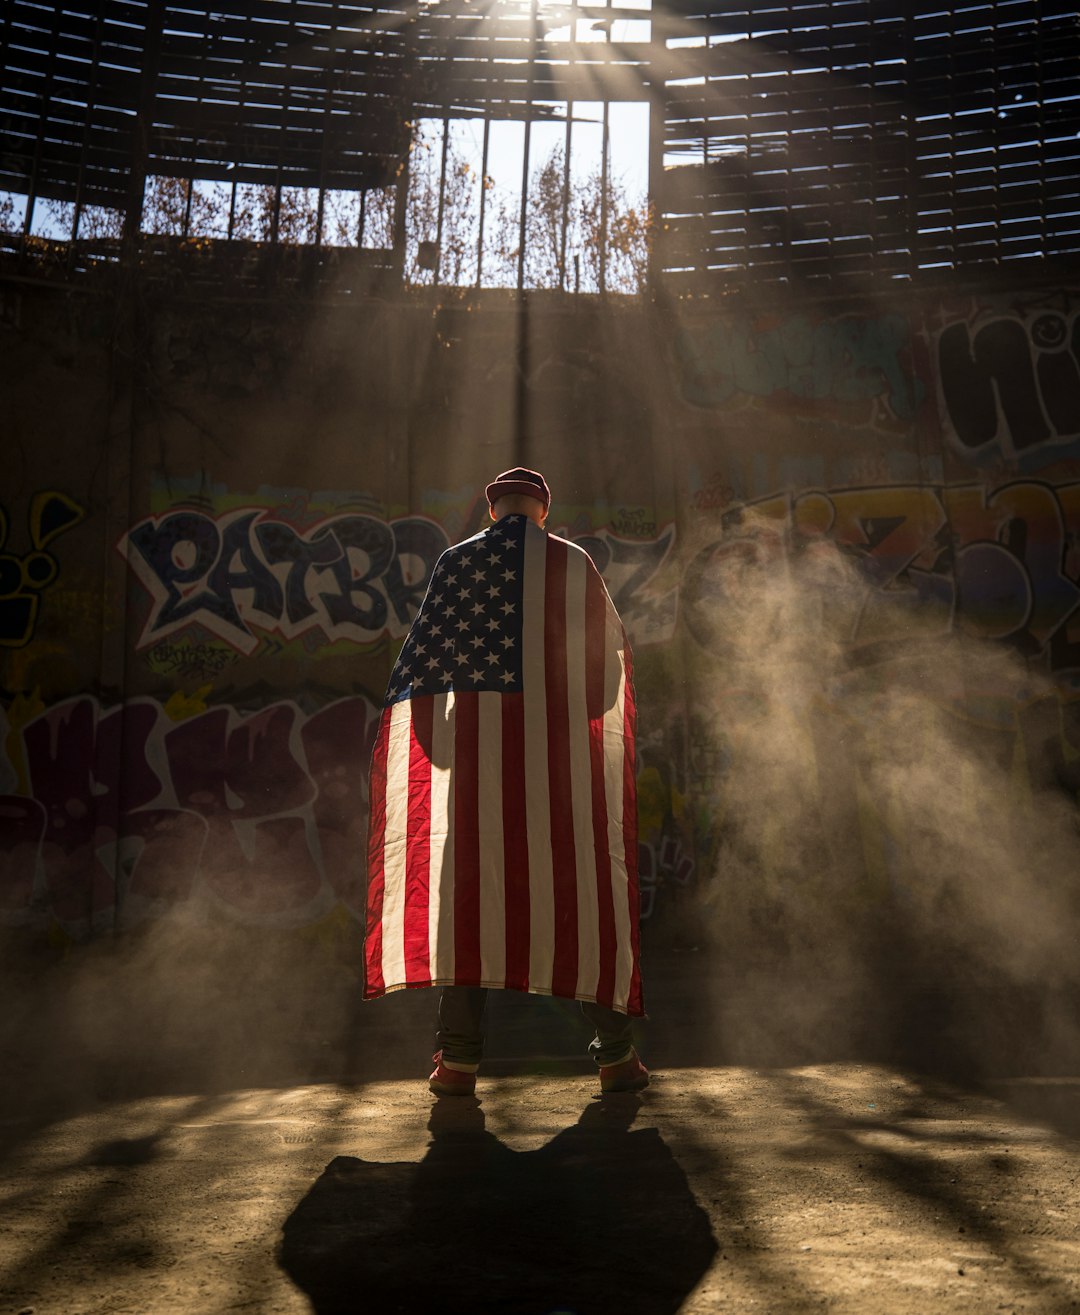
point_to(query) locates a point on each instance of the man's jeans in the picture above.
(461, 1027)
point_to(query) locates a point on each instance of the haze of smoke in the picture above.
(872, 845)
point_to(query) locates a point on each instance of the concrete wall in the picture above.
(219, 517)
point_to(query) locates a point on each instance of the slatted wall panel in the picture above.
(499, 57)
(300, 94)
(864, 139)
(804, 142)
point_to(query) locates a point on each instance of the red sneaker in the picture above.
(451, 1081)
(630, 1075)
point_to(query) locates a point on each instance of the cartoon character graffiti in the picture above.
(24, 579)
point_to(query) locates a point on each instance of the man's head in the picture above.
(519, 490)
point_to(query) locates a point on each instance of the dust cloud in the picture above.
(895, 867)
(192, 1003)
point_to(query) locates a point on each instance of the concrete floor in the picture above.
(856, 1188)
(238, 1132)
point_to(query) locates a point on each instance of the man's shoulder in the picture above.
(570, 548)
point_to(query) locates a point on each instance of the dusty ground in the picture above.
(849, 1187)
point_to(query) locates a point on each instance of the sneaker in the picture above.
(630, 1075)
(447, 1081)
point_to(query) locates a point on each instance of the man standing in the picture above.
(503, 837)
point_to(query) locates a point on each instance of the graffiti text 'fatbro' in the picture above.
(352, 576)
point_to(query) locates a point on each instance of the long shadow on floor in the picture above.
(599, 1219)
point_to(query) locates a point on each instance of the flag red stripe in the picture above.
(595, 657)
(418, 844)
(563, 859)
(634, 1004)
(466, 841)
(515, 842)
(373, 974)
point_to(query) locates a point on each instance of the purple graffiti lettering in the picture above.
(237, 769)
(130, 812)
(162, 850)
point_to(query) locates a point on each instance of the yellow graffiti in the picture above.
(179, 706)
(23, 579)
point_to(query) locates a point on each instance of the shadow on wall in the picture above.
(599, 1219)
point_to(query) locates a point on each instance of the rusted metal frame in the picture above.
(911, 153)
(442, 196)
(46, 100)
(565, 221)
(605, 164)
(91, 90)
(401, 202)
(568, 145)
(523, 223)
(705, 249)
(328, 113)
(654, 87)
(1041, 99)
(483, 198)
(143, 128)
(185, 228)
(241, 101)
(286, 94)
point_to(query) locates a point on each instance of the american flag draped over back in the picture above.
(503, 835)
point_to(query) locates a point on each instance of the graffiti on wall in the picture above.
(348, 576)
(23, 579)
(117, 814)
(855, 368)
(1002, 563)
(247, 573)
(1009, 383)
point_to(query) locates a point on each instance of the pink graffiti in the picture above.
(261, 815)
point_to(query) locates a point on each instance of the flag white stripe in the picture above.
(614, 761)
(395, 851)
(489, 804)
(537, 794)
(441, 860)
(588, 918)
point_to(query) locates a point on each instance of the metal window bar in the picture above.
(523, 227)
(605, 152)
(483, 199)
(566, 184)
(91, 93)
(439, 219)
(328, 107)
(43, 124)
